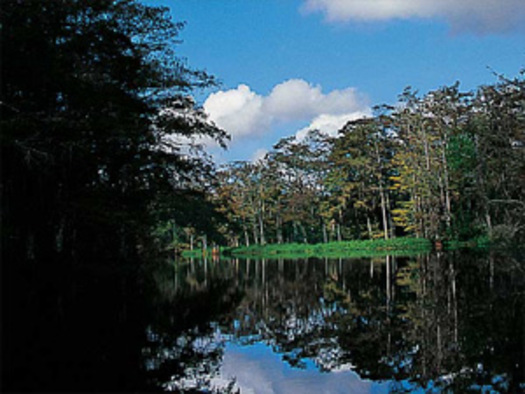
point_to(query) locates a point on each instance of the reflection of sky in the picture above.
(258, 369)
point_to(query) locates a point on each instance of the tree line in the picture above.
(446, 165)
(100, 157)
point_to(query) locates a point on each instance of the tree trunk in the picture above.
(261, 224)
(391, 226)
(383, 210)
(261, 230)
(246, 237)
(255, 237)
(489, 224)
(339, 238)
(303, 231)
(427, 156)
(446, 181)
(381, 191)
(279, 230)
(369, 227)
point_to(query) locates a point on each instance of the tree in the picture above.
(498, 124)
(92, 95)
(359, 173)
(96, 119)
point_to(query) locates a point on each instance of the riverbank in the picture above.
(356, 248)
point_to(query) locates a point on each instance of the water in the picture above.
(442, 322)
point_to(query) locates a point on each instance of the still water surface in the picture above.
(446, 321)
(450, 321)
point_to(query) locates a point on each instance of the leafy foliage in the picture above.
(97, 127)
(446, 165)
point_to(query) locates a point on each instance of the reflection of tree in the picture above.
(184, 350)
(446, 320)
(465, 330)
(282, 308)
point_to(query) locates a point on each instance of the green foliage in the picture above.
(92, 97)
(446, 165)
(379, 247)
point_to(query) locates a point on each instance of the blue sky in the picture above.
(287, 65)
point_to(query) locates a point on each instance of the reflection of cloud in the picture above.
(242, 112)
(259, 370)
(480, 16)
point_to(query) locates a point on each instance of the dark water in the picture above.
(446, 321)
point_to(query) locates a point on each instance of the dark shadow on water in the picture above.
(73, 330)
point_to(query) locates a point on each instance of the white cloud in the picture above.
(243, 112)
(297, 99)
(480, 16)
(259, 154)
(238, 111)
(330, 124)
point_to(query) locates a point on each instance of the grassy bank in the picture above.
(358, 248)
(398, 246)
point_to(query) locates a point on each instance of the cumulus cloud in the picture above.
(243, 112)
(259, 154)
(330, 124)
(480, 16)
(238, 111)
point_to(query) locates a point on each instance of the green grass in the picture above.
(361, 248)
(405, 246)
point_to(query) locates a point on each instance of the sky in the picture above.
(286, 66)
